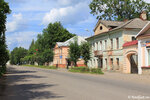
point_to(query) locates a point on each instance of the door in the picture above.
(134, 62)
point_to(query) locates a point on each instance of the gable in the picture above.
(100, 29)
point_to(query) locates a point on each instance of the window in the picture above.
(117, 59)
(96, 45)
(117, 42)
(106, 61)
(111, 60)
(133, 38)
(105, 44)
(111, 43)
(101, 27)
(100, 45)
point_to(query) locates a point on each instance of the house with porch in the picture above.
(108, 40)
(61, 57)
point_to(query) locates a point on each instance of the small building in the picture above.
(61, 57)
(143, 38)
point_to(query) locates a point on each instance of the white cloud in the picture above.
(22, 39)
(14, 24)
(67, 15)
(148, 1)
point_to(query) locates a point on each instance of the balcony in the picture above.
(98, 53)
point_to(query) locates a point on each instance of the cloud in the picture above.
(22, 39)
(67, 15)
(14, 24)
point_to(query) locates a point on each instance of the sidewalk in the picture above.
(144, 79)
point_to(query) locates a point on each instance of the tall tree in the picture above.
(55, 33)
(4, 10)
(45, 42)
(119, 9)
(85, 52)
(74, 52)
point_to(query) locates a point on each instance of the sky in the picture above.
(29, 17)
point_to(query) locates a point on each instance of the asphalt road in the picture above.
(29, 83)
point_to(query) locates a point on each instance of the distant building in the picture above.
(108, 40)
(61, 57)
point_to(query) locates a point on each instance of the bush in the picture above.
(86, 70)
(2, 70)
(96, 71)
(80, 69)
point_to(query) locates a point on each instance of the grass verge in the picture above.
(86, 70)
(46, 67)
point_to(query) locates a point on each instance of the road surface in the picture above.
(29, 83)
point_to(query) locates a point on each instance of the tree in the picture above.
(85, 52)
(17, 54)
(119, 9)
(45, 42)
(74, 52)
(55, 33)
(4, 10)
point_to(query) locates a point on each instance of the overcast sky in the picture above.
(29, 17)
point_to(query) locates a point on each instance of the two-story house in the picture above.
(107, 42)
(61, 56)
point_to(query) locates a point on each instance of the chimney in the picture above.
(143, 15)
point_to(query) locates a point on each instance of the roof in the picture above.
(108, 23)
(145, 28)
(135, 42)
(67, 43)
(135, 23)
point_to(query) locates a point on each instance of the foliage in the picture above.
(86, 70)
(55, 33)
(46, 67)
(4, 10)
(96, 71)
(17, 54)
(2, 70)
(74, 52)
(119, 9)
(85, 52)
(41, 50)
(80, 69)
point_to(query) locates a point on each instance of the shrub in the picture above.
(96, 71)
(86, 70)
(2, 70)
(80, 69)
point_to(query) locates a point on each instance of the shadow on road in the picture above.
(9, 90)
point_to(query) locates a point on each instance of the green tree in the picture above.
(85, 52)
(17, 54)
(4, 10)
(46, 41)
(55, 33)
(119, 9)
(74, 52)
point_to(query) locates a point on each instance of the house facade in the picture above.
(107, 42)
(61, 57)
(143, 38)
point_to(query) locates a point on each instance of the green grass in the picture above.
(46, 67)
(86, 70)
